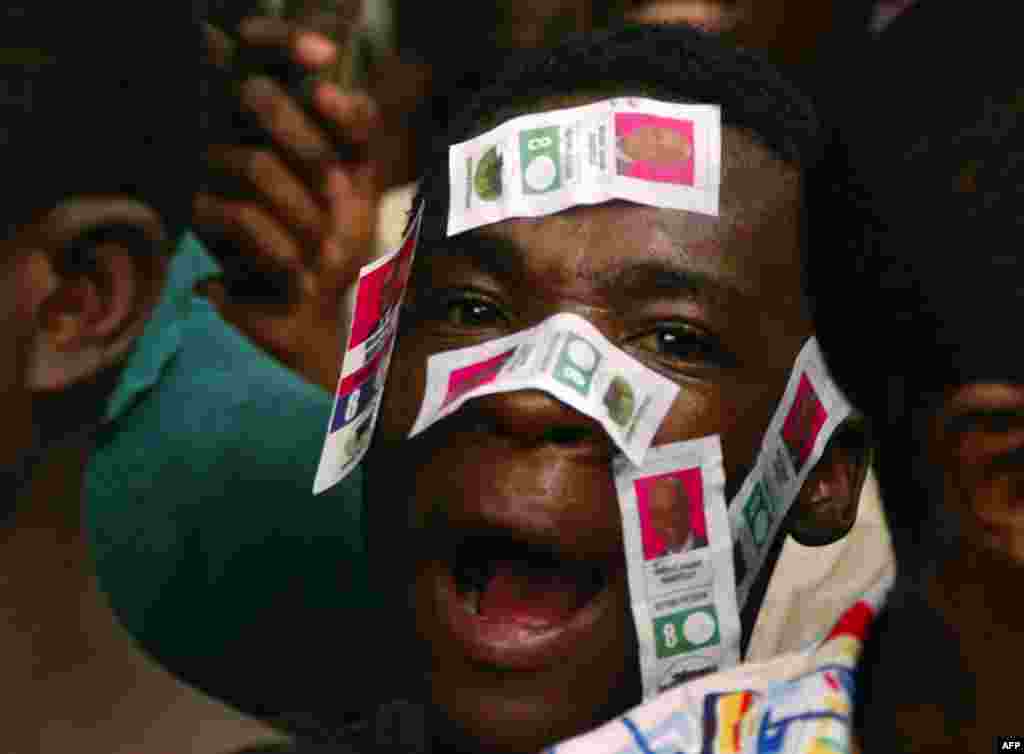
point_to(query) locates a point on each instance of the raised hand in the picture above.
(290, 216)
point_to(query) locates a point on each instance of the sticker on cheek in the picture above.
(566, 357)
(372, 308)
(661, 154)
(679, 560)
(811, 410)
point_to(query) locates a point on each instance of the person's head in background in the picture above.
(101, 137)
(933, 299)
(96, 171)
(717, 304)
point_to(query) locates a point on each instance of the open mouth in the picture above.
(500, 580)
(518, 605)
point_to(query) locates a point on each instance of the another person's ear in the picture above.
(826, 508)
(105, 264)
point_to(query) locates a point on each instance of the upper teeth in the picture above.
(471, 601)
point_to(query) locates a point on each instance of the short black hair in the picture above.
(673, 63)
(100, 98)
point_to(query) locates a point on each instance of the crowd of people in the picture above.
(195, 198)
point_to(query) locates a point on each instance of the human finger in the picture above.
(266, 177)
(298, 139)
(300, 45)
(352, 116)
(255, 238)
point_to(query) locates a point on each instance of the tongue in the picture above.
(529, 595)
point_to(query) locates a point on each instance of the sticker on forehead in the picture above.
(647, 151)
(566, 357)
(811, 410)
(679, 562)
(372, 309)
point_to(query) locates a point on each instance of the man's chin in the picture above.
(490, 710)
(471, 721)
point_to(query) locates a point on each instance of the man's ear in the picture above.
(106, 265)
(826, 508)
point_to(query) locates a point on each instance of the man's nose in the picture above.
(533, 417)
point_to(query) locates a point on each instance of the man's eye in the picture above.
(987, 434)
(472, 312)
(455, 309)
(675, 344)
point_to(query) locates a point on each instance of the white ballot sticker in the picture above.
(646, 151)
(679, 562)
(566, 357)
(372, 306)
(811, 410)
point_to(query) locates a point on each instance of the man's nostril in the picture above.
(566, 435)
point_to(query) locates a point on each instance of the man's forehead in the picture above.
(616, 252)
(604, 239)
(759, 211)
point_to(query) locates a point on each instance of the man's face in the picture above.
(669, 510)
(976, 437)
(500, 524)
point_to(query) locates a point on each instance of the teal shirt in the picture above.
(208, 539)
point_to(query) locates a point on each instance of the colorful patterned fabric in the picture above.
(801, 703)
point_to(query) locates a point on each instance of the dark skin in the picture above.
(976, 437)
(712, 303)
(972, 437)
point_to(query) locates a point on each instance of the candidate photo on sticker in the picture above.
(653, 148)
(803, 423)
(671, 511)
(462, 380)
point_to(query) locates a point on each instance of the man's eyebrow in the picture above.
(499, 257)
(985, 419)
(624, 280)
(663, 278)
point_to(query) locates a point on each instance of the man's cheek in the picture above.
(403, 395)
(708, 409)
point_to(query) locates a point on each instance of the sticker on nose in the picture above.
(577, 364)
(661, 154)
(567, 358)
(679, 562)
